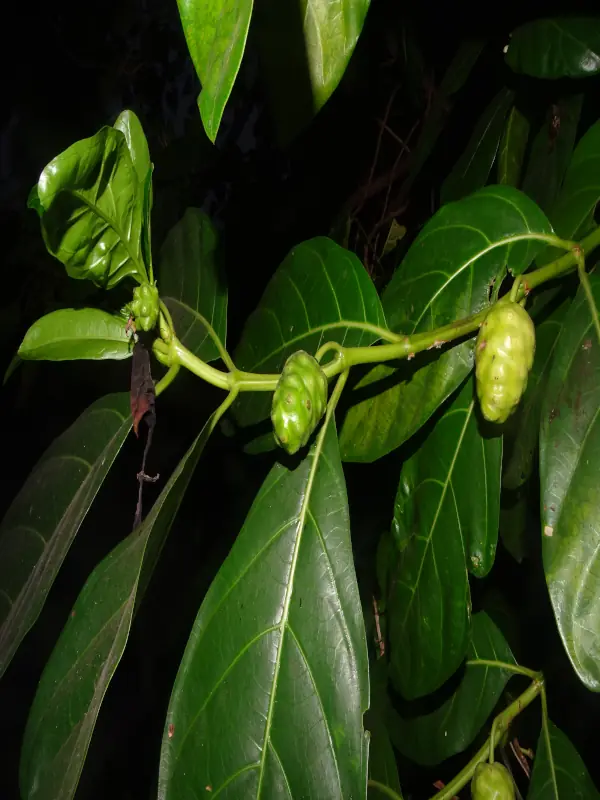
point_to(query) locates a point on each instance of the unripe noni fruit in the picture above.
(299, 401)
(492, 782)
(145, 306)
(503, 358)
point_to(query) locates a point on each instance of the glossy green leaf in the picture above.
(75, 679)
(215, 32)
(382, 760)
(270, 695)
(446, 275)
(558, 770)
(551, 151)
(304, 48)
(43, 519)
(128, 123)
(319, 293)
(473, 168)
(522, 440)
(570, 491)
(573, 213)
(192, 284)
(512, 148)
(445, 521)
(331, 30)
(92, 205)
(567, 47)
(70, 334)
(449, 729)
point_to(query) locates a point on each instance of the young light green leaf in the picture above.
(551, 152)
(473, 168)
(567, 47)
(70, 334)
(192, 284)
(382, 759)
(431, 738)
(558, 770)
(570, 492)
(445, 521)
(446, 275)
(276, 710)
(319, 293)
(512, 148)
(75, 679)
(92, 205)
(521, 440)
(41, 523)
(215, 32)
(573, 213)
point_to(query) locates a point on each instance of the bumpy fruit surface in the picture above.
(145, 306)
(299, 401)
(503, 358)
(492, 782)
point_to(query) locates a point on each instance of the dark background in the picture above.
(68, 69)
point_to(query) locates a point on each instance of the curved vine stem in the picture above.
(584, 280)
(500, 726)
(399, 346)
(383, 789)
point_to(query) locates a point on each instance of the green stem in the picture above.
(501, 725)
(583, 279)
(166, 379)
(514, 668)
(401, 346)
(386, 790)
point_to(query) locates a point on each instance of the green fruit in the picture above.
(492, 782)
(299, 401)
(503, 358)
(145, 306)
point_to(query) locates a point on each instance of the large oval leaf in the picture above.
(215, 32)
(192, 284)
(446, 275)
(473, 168)
(556, 48)
(92, 205)
(445, 520)
(274, 707)
(558, 771)
(573, 213)
(551, 152)
(70, 334)
(43, 519)
(75, 679)
(321, 292)
(512, 148)
(569, 465)
(431, 738)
